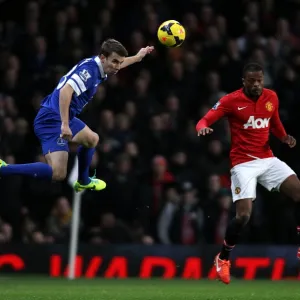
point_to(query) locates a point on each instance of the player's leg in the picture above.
(88, 140)
(243, 186)
(280, 177)
(35, 170)
(236, 226)
(55, 150)
(58, 161)
(47, 128)
(233, 232)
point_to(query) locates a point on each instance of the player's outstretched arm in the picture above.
(202, 126)
(65, 97)
(216, 113)
(277, 129)
(138, 57)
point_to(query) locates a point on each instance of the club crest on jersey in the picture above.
(269, 106)
(84, 75)
(216, 105)
(237, 190)
(61, 142)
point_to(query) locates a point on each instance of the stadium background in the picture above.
(165, 185)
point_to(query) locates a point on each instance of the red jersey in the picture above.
(250, 124)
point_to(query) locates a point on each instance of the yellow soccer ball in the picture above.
(171, 33)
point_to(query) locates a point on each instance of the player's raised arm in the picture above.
(277, 129)
(137, 58)
(220, 109)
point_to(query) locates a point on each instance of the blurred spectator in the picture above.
(160, 177)
(172, 203)
(122, 192)
(31, 233)
(224, 204)
(140, 236)
(181, 222)
(59, 221)
(110, 231)
(191, 216)
(6, 232)
(215, 160)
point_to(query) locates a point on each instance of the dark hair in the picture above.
(252, 67)
(109, 46)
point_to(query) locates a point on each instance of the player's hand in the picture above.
(205, 131)
(144, 51)
(289, 140)
(66, 132)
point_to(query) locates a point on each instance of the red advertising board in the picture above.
(144, 262)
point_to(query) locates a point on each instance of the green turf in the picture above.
(97, 289)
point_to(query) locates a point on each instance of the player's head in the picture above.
(112, 55)
(253, 79)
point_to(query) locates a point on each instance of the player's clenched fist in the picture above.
(205, 130)
(66, 132)
(291, 141)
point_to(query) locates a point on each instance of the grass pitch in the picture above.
(29, 288)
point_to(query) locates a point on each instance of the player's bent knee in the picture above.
(243, 217)
(93, 140)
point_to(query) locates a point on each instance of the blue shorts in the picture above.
(47, 127)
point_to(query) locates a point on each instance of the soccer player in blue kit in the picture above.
(56, 124)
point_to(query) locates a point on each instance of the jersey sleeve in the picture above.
(219, 110)
(82, 79)
(276, 126)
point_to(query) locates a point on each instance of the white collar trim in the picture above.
(98, 61)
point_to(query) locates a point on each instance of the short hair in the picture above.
(110, 45)
(252, 67)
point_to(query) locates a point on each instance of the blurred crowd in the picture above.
(165, 184)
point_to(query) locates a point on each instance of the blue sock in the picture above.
(85, 156)
(35, 170)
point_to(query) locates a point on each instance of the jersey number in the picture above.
(65, 77)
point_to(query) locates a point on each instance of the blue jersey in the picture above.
(84, 78)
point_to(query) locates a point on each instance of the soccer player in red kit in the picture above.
(252, 113)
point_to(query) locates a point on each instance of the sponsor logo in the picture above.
(84, 75)
(218, 268)
(240, 108)
(257, 123)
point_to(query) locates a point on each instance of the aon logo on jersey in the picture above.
(257, 123)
